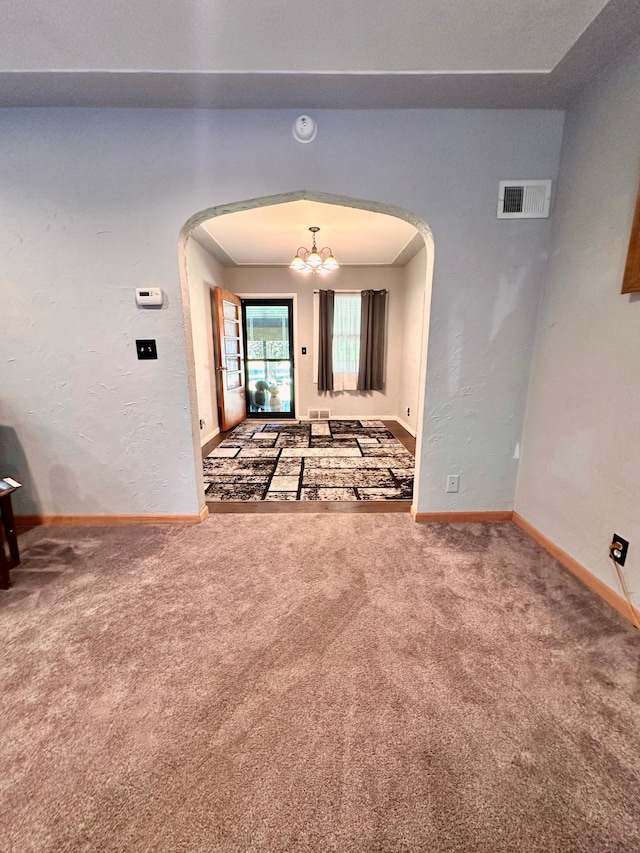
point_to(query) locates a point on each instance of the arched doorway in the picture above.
(202, 216)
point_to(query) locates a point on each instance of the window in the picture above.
(346, 341)
(356, 361)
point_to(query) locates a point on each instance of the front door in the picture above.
(229, 357)
(268, 335)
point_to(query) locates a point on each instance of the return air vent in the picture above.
(524, 199)
(319, 414)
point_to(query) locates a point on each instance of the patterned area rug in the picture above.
(309, 461)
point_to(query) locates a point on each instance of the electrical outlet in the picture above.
(619, 554)
(408, 412)
(453, 482)
(146, 349)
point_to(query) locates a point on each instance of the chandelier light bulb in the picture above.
(297, 264)
(314, 261)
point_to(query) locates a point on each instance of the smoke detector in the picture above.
(524, 199)
(304, 129)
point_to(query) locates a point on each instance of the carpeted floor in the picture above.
(343, 683)
(309, 461)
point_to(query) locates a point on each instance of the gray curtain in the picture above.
(372, 340)
(325, 341)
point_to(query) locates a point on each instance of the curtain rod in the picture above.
(384, 290)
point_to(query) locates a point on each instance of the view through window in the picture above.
(269, 362)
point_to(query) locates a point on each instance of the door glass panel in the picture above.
(233, 380)
(231, 328)
(268, 363)
(232, 363)
(229, 310)
(267, 331)
(231, 346)
(270, 385)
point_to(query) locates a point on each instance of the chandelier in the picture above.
(314, 261)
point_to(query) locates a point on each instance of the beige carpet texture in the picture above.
(313, 683)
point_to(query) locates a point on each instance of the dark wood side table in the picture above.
(8, 537)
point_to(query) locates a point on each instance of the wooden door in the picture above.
(229, 357)
(631, 281)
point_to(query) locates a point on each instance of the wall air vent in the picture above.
(319, 414)
(524, 199)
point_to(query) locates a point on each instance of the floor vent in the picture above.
(524, 199)
(319, 414)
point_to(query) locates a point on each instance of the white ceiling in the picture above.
(296, 53)
(282, 35)
(269, 236)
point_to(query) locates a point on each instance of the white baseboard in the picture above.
(356, 418)
(208, 438)
(406, 426)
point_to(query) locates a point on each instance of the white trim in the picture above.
(369, 72)
(211, 435)
(354, 417)
(405, 425)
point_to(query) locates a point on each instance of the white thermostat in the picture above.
(149, 296)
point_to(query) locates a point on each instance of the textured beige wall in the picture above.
(272, 280)
(204, 272)
(93, 204)
(579, 479)
(413, 342)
